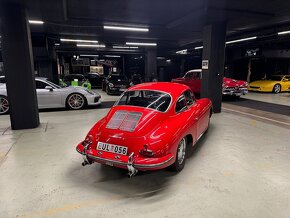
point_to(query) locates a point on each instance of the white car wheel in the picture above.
(76, 101)
(4, 105)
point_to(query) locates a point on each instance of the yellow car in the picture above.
(277, 83)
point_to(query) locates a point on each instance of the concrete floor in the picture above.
(281, 98)
(239, 169)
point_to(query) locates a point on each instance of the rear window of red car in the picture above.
(159, 101)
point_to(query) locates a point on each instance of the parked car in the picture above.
(95, 79)
(150, 127)
(50, 95)
(115, 84)
(77, 80)
(276, 84)
(135, 79)
(230, 86)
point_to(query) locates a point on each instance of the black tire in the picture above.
(76, 105)
(277, 88)
(4, 105)
(178, 165)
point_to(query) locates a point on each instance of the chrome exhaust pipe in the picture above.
(132, 171)
(86, 160)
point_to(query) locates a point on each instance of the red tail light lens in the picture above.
(146, 152)
(88, 141)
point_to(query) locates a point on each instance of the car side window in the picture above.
(180, 104)
(40, 85)
(188, 75)
(189, 98)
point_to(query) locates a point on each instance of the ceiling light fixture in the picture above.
(112, 56)
(160, 58)
(284, 32)
(84, 55)
(78, 40)
(125, 47)
(56, 44)
(199, 47)
(184, 51)
(36, 22)
(241, 40)
(91, 46)
(122, 28)
(141, 43)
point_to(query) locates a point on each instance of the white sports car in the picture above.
(50, 95)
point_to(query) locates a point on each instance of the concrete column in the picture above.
(18, 66)
(150, 65)
(213, 54)
(52, 56)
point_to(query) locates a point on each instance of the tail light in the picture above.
(88, 141)
(146, 152)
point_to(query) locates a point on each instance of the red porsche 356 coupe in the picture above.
(149, 128)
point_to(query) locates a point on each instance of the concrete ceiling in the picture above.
(173, 24)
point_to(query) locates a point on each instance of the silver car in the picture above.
(50, 95)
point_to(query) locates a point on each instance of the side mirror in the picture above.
(49, 88)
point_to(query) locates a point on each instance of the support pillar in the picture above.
(18, 66)
(213, 63)
(150, 65)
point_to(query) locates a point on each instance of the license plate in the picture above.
(122, 90)
(117, 149)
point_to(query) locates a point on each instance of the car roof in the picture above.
(174, 89)
(195, 70)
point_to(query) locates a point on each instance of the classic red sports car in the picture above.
(231, 87)
(148, 128)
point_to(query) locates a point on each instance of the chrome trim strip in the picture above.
(153, 165)
(107, 160)
(135, 165)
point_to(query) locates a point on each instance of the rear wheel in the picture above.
(277, 88)
(4, 105)
(76, 101)
(179, 163)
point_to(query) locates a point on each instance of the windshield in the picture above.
(52, 84)
(148, 99)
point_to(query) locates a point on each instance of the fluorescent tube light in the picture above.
(125, 47)
(168, 60)
(241, 40)
(112, 56)
(83, 55)
(78, 40)
(284, 32)
(56, 44)
(198, 47)
(91, 45)
(122, 28)
(184, 51)
(141, 43)
(35, 21)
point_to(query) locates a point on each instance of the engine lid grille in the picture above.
(124, 120)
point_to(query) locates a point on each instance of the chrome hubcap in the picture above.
(181, 151)
(277, 88)
(76, 101)
(4, 105)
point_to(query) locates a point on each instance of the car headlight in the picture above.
(111, 85)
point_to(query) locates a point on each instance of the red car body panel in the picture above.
(230, 86)
(160, 131)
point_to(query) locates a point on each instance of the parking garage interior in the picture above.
(240, 168)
